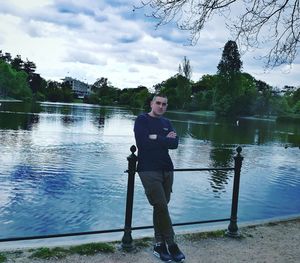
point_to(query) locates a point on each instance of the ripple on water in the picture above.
(65, 173)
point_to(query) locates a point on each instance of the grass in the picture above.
(58, 252)
(47, 253)
(203, 113)
(197, 113)
(143, 242)
(92, 248)
(205, 235)
(294, 118)
(78, 101)
(2, 258)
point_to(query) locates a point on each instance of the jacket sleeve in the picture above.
(141, 132)
(169, 143)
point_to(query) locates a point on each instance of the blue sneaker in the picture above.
(160, 250)
(176, 254)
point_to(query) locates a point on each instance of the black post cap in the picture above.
(133, 149)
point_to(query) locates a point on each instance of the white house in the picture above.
(79, 88)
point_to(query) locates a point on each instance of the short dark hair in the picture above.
(159, 95)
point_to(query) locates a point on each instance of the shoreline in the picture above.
(117, 237)
(277, 237)
(199, 113)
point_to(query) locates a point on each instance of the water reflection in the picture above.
(57, 156)
(249, 131)
(220, 157)
(101, 118)
(21, 121)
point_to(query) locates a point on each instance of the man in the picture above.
(154, 137)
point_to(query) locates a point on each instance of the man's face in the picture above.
(159, 106)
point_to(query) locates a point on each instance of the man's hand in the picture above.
(171, 134)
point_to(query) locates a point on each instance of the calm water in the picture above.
(62, 169)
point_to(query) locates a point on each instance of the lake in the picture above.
(62, 168)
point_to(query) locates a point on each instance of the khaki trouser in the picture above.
(158, 188)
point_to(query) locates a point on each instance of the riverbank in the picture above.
(202, 113)
(277, 241)
(10, 100)
(273, 118)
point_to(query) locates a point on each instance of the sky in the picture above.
(90, 39)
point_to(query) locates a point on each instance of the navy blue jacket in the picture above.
(153, 155)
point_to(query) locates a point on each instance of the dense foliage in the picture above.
(13, 83)
(229, 92)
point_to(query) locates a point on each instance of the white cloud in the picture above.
(91, 39)
(278, 77)
(83, 57)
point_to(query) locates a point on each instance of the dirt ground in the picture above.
(269, 242)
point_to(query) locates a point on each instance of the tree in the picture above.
(185, 68)
(202, 92)
(37, 83)
(5, 57)
(168, 88)
(183, 91)
(178, 91)
(54, 91)
(140, 97)
(100, 86)
(17, 63)
(259, 23)
(5, 79)
(262, 103)
(20, 88)
(231, 60)
(137, 98)
(29, 67)
(292, 95)
(107, 94)
(13, 83)
(296, 108)
(67, 93)
(206, 83)
(157, 87)
(296, 96)
(227, 90)
(247, 95)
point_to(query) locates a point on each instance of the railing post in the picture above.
(233, 228)
(127, 243)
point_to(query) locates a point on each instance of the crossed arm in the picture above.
(153, 141)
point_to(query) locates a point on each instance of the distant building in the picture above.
(79, 88)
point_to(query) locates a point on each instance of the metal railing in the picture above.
(127, 241)
(232, 231)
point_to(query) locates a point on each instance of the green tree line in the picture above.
(229, 92)
(19, 80)
(13, 83)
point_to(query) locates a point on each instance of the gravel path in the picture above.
(271, 242)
